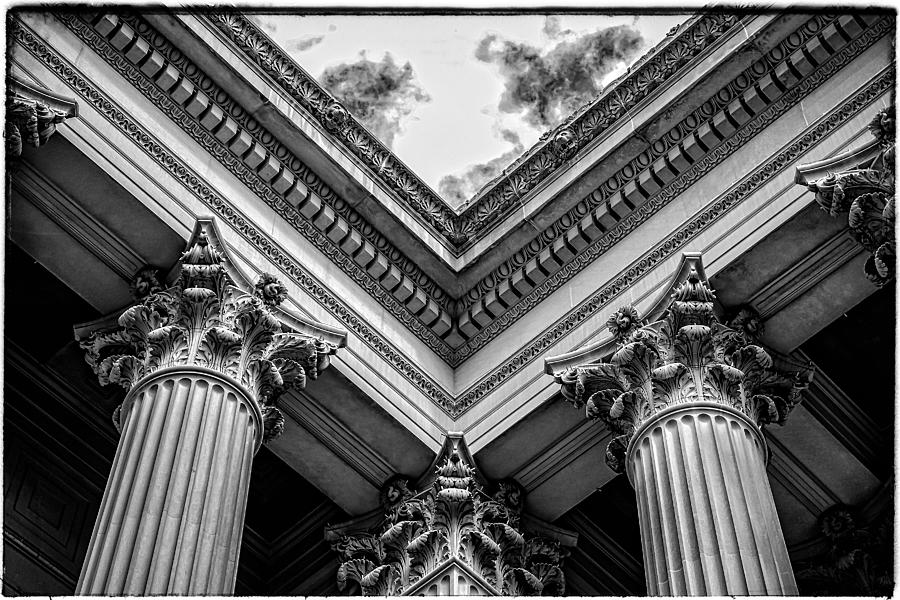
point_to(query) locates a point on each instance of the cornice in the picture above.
(611, 216)
(496, 301)
(392, 288)
(781, 160)
(249, 131)
(453, 406)
(552, 151)
(229, 214)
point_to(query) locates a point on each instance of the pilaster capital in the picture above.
(452, 524)
(858, 559)
(865, 192)
(32, 115)
(209, 317)
(685, 356)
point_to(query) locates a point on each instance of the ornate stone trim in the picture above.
(32, 115)
(685, 358)
(643, 211)
(206, 321)
(265, 191)
(451, 526)
(662, 160)
(866, 194)
(453, 406)
(489, 306)
(803, 142)
(275, 148)
(226, 212)
(539, 162)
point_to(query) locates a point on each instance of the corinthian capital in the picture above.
(32, 115)
(206, 318)
(685, 356)
(450, 529)
(860, 183)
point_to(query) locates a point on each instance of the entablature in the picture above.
(420, 377)
(456, 327)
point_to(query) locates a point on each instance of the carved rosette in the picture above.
(452, 527)
(688, 356)
(205, 320)
(866, 195)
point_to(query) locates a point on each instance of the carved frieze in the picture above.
(686, 356)
(497, 325)
(488, 207)
(206, 319)
(452, 527)
(866, 195)
(457, 405)
(32, 115)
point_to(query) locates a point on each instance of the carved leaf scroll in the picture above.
(866, 194)
(204, 319)
(453, 519)
(687, 356)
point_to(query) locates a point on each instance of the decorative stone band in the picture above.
(172, 513)
(546, 157)
(206, 321)
(865, 191)
(708, 519)
(685, 357)
(451, 538)
(455, 406)
(32, 115)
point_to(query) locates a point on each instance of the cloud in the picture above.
(549, 86)
(456, 189)
(304, 43)
(552, 28)
(380, 94)
(266, 24)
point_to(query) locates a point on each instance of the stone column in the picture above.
(173, 510)
(708, 520)
(686, 398)
(203, 362)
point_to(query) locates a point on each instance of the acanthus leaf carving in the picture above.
(32, 115)
(204, 319)
(452, 521)
(686, 356)
(866, 195)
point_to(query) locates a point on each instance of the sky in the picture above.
(460, 97)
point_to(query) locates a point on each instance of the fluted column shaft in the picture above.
(172, 514)
(707, 517)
